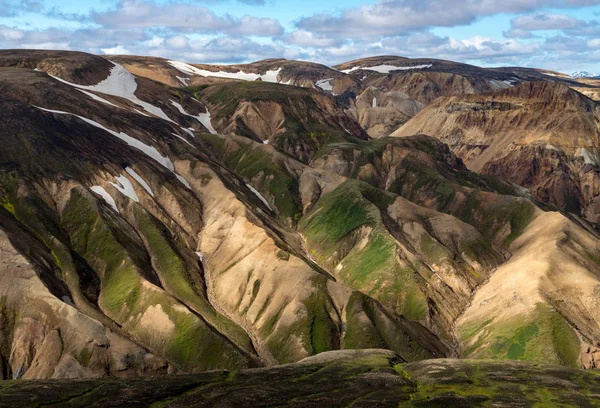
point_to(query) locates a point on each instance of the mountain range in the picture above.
(162, 217)
(585, 74)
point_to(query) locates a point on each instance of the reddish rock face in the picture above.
(542, 136)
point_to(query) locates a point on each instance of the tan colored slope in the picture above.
(486, 125)
(275, 295)
(534, 303)
(540, 135)
(51, 338)
(380, 113)
(426, 86)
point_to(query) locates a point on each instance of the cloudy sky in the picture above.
(563, 35)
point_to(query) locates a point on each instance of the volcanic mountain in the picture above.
(152, 224)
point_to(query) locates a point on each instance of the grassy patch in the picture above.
(542, 336)
(332, 230)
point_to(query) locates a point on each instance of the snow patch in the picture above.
(588, 156)
(269, 76)
(325, 84)
(125, 187)
(386, 69)
(203, 118)
(148, 150)
(189, 131)
(200, 256)
(120, 83)
(105, 196)
(183, 80)
(97, 98)
(374, 102)
(183, 181)
(255, 191)
(140, 180)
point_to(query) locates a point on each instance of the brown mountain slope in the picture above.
(540, 135)
(295, 120)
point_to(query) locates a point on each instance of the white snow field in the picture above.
(97, 98)
(120, 83)
(133, 142)
(140, 180)
(269, 76)
(105, 196)
(325, 84)
(386, 69)
(203, 118)
(125, 187)
(182, 138)
(183, 181)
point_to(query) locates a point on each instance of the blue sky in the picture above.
(562, 35)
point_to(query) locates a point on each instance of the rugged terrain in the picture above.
(540, 135)
(247, 216)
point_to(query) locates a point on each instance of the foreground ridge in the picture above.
(369, 378)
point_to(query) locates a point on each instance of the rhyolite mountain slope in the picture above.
(358, 378)
(540, 135)
(149, 229)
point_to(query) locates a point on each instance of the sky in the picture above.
(561, 35)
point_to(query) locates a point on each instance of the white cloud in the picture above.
(522, 26)
(183, 17)
(304, 38)
(595, 43)
(118, 50)
(397, 17)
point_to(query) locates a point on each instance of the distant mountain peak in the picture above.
(585, 74)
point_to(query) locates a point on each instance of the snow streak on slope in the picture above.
(148, 150)
(120, 83)
(386, 69)
(259, 195)
(203, 118)
(140, 180)
(269, 76)
(184, 81)
(97, 98)
(183, 181)
(125, 187)
(182, 138)
(105, 196)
